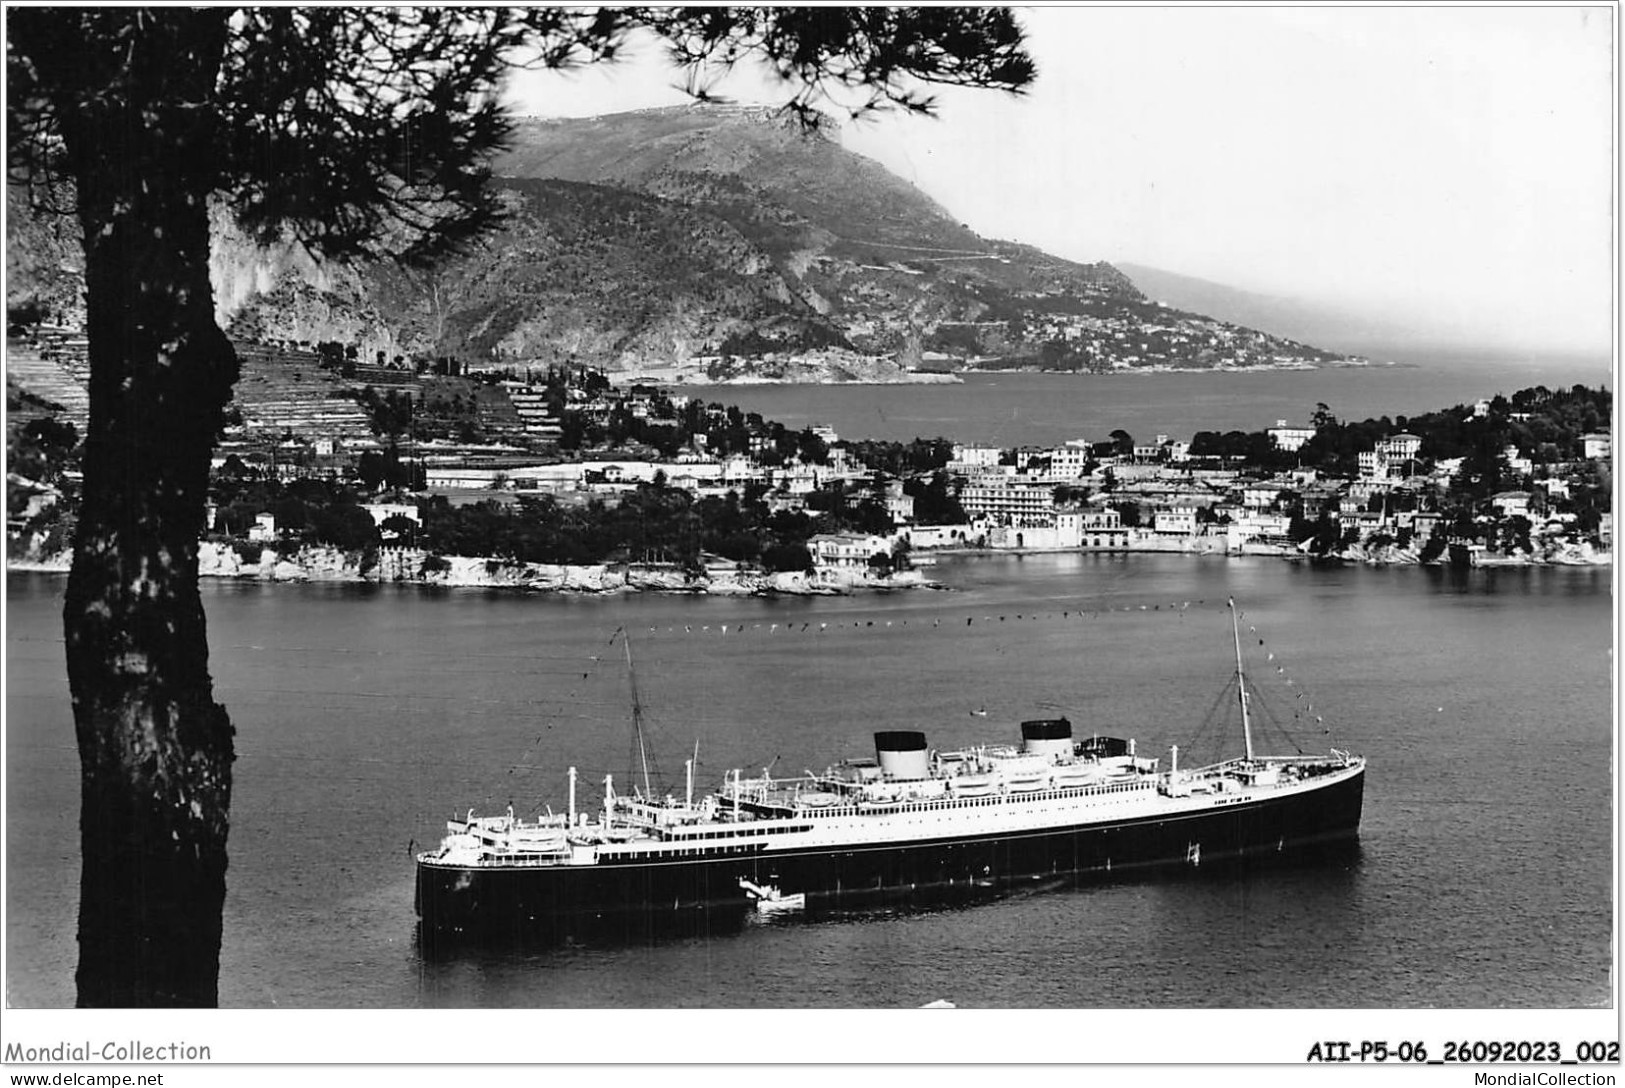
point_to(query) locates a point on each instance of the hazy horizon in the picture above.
(1444, 173)
(1373, 334)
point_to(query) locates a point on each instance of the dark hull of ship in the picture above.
(524, 902)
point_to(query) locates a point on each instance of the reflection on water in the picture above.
(619, 932)
(1320, 880)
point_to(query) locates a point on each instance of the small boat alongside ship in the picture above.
(770, 900)
(911, 825)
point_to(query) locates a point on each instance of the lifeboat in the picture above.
(1023, 773)
(1078, 774)
(923, 791)
(971, 785)
(879, 804)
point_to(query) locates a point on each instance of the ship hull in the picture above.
(482, 902)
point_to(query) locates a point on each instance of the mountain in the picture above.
(714, 238)
(45, 261)
(798, 194)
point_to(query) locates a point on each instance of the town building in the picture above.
(1511, 503)
(846, 551)
(1517, 462)
(383, 511)
(939, 536)
(798, 479)
(1260, 496)
(1390, 458)
(1070, 461)
(1092, 530)
(1400, 447)
(1289, 437)
(899, 504)
(1257, 525)
(969, 458)
(1156, 451)
(1175, 520)
(1017, 504)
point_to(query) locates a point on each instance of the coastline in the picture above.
(700, 380)
(953, 377)
(407, 566)
(1163, 368)
(911, 378)
(1382, 557)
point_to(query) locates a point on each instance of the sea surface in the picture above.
(1009, 409)
(368, 715)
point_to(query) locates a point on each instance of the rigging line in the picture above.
(637, 708)
(639, 756)
(1212, 716)
(1213, 738)
(595, 661)
(1271, 718)
(1308, 702)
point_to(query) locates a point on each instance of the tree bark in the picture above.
(155, 748)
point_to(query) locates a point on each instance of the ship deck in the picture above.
(760, 818)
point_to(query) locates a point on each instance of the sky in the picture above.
(1449, 168)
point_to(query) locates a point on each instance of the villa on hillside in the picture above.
(1289, 438)
(846, 551)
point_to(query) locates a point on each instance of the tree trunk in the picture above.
(155, 749)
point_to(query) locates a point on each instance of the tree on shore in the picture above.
(356, 132)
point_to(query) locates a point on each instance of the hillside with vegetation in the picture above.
(716, 241)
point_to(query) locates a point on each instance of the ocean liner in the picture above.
(911, 825)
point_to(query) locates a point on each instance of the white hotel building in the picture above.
(1014, 503)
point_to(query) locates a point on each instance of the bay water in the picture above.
(1010, 409)
(368, 715)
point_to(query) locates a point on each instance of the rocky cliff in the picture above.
(705, 233)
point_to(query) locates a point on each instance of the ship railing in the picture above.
(1337, 758)
(1236, 768)
(929, 804)
(851, 807)
(654, 815)
(751, 785)
(500, 862)
(1241, 763)
(474, 824)
(774, 791)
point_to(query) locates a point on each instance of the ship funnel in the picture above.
(1047, 737)
(901, 754)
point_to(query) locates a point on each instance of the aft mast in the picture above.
(1241, 684)
(637, 712)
